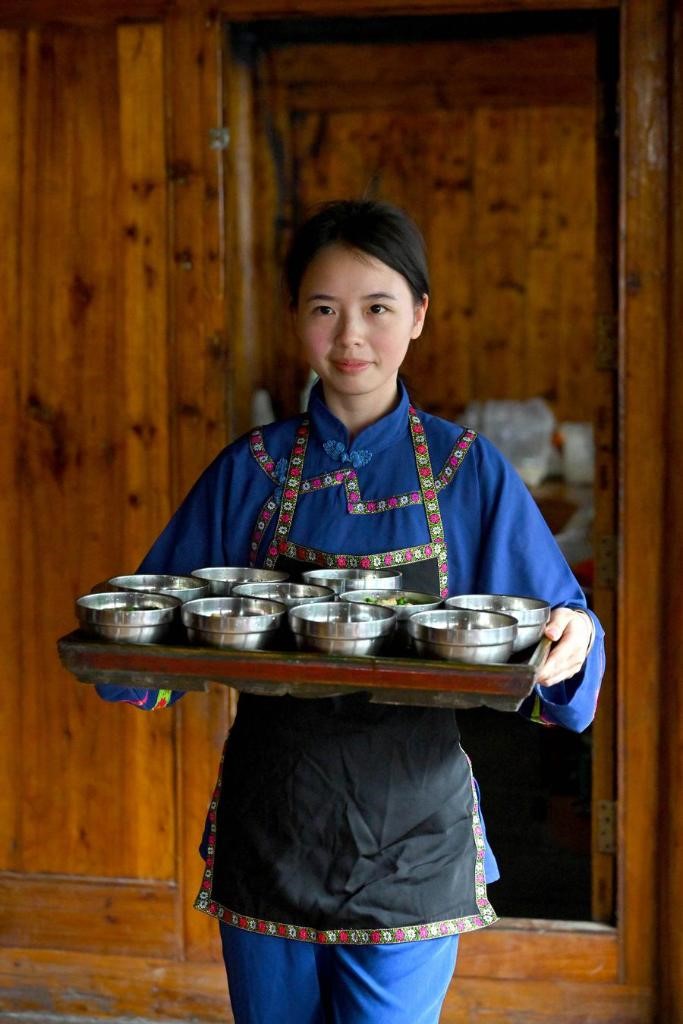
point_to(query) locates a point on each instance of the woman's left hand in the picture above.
(572, 632)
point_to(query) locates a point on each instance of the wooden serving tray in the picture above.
(388, 679)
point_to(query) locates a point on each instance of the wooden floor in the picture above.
(58, 1018)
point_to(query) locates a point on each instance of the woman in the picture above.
(344, 848)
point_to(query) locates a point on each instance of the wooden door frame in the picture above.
(619, 968)
(645, 334)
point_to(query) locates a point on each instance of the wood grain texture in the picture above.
(670, 952)
(643, 335)
(11, 443)
(83, 914)
(57, 982)
(605, 489)
(19, 12)
(198, 353)
(84, 770)
(74, 386)
(497, 180)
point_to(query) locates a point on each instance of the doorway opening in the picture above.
(498, 134)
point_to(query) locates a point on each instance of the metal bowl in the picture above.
(404, 602)
(290, 594)
(463, 634)
(531, 614)
(127, 617)
(243, 623)
(221, 579)
(414, 602)
(183, 587)
(341, 580)
(341, 627)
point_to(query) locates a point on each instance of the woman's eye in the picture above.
(378, 308)
(323, 310)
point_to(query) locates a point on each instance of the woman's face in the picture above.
(355, 318)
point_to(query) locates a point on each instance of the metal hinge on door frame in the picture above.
(606, 561)
(607, 826)
(219, 138)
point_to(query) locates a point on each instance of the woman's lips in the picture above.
(350, 365)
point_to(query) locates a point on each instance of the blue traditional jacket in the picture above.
(338, 820)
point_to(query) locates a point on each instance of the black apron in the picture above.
(341, 820)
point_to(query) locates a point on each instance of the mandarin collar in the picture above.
(373, 438)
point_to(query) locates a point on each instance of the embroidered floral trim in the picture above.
(354, 503)
(455, 459)
(290, 494)
(350, 936)
(163, 698)
(264, 517)
(287, 493)
(329, 560)
(538, 715)
(431, 502)
(257, 448)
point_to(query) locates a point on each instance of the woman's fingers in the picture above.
(571, 630)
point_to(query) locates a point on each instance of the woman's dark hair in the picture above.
(376, 228)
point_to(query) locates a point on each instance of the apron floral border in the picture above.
(350, 936)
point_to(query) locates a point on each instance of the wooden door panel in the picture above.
(86, 427)
(510, 227)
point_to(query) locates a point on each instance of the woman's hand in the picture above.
(572, 631)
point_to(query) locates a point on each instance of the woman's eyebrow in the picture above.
(331, 298)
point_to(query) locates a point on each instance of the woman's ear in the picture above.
(420, 314)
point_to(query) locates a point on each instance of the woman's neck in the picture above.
(357, 412)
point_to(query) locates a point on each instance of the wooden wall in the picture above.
(114, 398)
(115, 392)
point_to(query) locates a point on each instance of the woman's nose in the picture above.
(349, 331)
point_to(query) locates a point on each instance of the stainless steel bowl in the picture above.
(412, 602)
(221, 579)
(531, 613)
(127, 617)
(185, 588)
(243, 623)
(341, 627)
(463, 634)
(404, 602)
(341, 580)
(289, 593)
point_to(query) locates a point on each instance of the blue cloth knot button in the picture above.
(337, 451)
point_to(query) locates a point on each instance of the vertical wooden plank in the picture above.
(10, 443)
(544, 264)
(670, 956)
(200, 361)
(605, 490)
(72, 394)
(147, 384)
(575, 367)
(642, 309)
(248, 233)
(144, 334)
(500, 186)
(440, 360)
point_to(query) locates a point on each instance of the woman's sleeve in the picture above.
(519, 555)
(193, 539)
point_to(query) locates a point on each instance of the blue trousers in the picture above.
(282, 981)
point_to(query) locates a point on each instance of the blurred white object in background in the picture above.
(261, 408)
(578, 452)
(522, 430)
